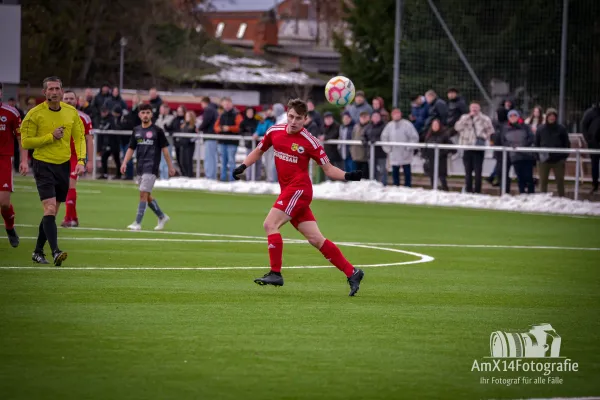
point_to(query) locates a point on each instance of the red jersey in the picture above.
(87, 125)
(10, 121)
(292, 154)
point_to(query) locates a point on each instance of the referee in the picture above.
(47, 129)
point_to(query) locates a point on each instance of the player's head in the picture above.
(145, 113)
(226, 103)
(52, 88)
(296, 114)
(70, 98)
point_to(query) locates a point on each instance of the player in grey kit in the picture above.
(149, 141)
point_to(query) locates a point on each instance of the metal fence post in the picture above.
(436, 165)
(200, 156)
(577, 174)
(95, 156)
(372, 162)
(253, 172)
(504, 179)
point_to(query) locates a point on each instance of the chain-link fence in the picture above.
(513, 47)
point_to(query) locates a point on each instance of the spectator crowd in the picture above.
(431, 119)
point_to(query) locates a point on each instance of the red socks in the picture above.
(8, 214)
(71, 214)
(333, 254)
(275, 251)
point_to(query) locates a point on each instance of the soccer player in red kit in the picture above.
(294, 147)
(71, 219)
(10, 120)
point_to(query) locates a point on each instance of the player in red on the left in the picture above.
(71, 219)
(10, 121)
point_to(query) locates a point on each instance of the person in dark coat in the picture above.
(590, 127)
(457, 107)
(314, 114)
(502, 112)
(115, 100)
(552, 134)
(516, 134)
(437, 109)
(109, 145)
(102, 97)
(346, 129)
(187, 145)
(209, 119)
(419, 112)
(372, 134)
(248, 126)
(331, 131)
(437, 134)
(155, 102)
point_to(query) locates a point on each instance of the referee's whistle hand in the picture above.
(58, 133)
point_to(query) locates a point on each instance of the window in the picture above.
(220, 27)
(242, 30)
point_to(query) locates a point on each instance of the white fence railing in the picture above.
(201, 137)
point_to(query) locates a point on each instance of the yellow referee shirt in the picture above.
(37, 128)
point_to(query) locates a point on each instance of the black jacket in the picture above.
(313, 128)
(437, 110)
(590, 127)
(155, 103)
(332, 132)
(552, 135)
(248, 128)
(373, 134)
(209, 118)
(106, 141)
(441, 137)
(456, 108)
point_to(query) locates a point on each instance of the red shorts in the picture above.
(296, 204)
(73, 165)
(6, 174)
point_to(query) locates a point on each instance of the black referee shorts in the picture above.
(52, 180)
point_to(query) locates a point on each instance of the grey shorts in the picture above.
(146, 182)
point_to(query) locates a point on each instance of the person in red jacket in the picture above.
(228, 123)
(10, 121)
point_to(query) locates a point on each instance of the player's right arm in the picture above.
(129, 153)
(29, 134)
(254, 155)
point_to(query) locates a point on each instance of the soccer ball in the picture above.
(339, 91)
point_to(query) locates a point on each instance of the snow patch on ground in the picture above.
(375, 192)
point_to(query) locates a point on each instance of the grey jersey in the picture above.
(148, 142)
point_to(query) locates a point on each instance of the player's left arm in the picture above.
(78, 133)
(164, 145)
(336, 174)
(333, 172)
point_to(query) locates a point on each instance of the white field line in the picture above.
(422, 258)
(26, 188)
(474, 246)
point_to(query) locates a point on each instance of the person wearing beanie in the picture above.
(359, 106)
(373, 134)
(516, 134)
(590, 127)
(552, 134)
(345, 133)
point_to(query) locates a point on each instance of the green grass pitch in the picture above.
(168, 331)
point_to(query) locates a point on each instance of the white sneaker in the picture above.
(135, 227)
(161, 223)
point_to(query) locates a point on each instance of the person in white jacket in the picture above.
(400, 130)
